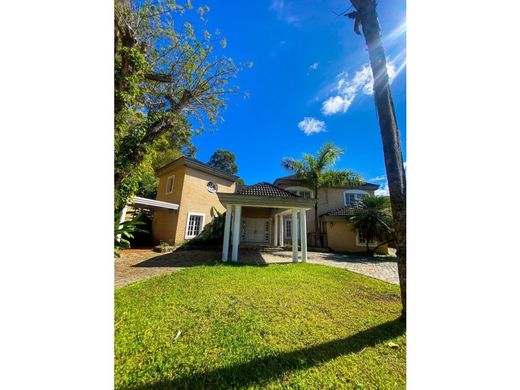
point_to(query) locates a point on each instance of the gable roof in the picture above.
(294, 180)
(196, 164)
(266, 189)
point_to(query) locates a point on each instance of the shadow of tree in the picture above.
(262, 370)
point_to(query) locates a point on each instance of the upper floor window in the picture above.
(306, 194)
(353, 197)
(169, 184)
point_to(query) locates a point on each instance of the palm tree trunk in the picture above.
(366, 15)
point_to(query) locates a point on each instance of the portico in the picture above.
(256, 215)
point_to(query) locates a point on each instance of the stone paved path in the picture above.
(137, 264)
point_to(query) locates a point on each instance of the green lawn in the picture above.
(293, 326)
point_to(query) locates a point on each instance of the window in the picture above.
(354, 196)
(303, 193)
(212, 187)
(288, 229)
(194, 225)
(361, 239)
(169, 184)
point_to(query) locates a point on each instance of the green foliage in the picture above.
(315, 171)
(124, 232)
(225, 160)
(212, 234)
(372, 216)
(169, 72)
(293, 326)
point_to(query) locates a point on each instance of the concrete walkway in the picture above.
(134, 265)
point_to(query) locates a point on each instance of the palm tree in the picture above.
(315, 173)
(366, 17)
(372, 217)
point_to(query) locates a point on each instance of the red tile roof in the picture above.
(266, 189)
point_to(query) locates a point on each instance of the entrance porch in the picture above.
(259, 215)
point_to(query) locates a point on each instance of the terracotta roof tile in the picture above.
(266, 189)
(341, 212)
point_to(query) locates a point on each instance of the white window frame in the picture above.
(186, 236)
(288, 230)
(173, 183)
(355, 192)
(298, 190)
(364, 244)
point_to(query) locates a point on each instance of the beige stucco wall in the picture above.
(191, 193)
(328, 199)
(341, 237)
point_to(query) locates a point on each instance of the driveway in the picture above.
(138, 264)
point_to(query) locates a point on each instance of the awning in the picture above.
(152, 204)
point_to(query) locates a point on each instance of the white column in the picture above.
(281, 231)
(303, 234)
(227, 231)
(275, 233)
(236, 232)
(294, 235)
(121, 220)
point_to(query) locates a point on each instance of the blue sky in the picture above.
(308, 63)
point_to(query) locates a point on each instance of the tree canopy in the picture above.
(168, 77)
(225, 160)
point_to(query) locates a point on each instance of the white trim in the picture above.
(299, 189)
(173, 183)
(236, 232)
(358, 192)
(140, 202)
(227, 233)
(303, 234)
(294, 228)
(188, 222)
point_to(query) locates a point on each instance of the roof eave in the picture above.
(265, 201)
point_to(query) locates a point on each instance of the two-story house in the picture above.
(261, 214)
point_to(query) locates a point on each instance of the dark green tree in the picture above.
(373, 217)
(167, 75)
(315, 172)
(225, 160)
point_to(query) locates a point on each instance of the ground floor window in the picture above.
(362, 241)
(288, 229)
(194, 225)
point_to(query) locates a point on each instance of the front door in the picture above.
(255, 230)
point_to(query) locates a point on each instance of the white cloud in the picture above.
(379, 178)
(383, 190)
(336, 104)
(311, 125)
(314, 66)
(284, 11)
(347, 89)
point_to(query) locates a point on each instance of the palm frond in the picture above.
(345, 177)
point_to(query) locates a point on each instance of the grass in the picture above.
(293, 326)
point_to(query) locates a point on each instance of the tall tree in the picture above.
(225, 160)
(316, 173)
(166, 73)
(365, 15)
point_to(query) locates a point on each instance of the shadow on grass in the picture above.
(263, 370)
(196, 257)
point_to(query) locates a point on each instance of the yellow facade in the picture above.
(190, 192)
(341, 237)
